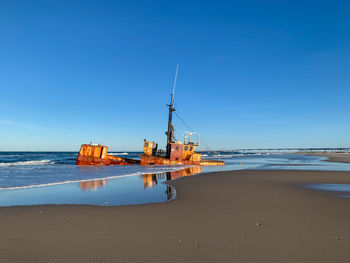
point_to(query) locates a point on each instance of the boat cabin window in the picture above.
(186, 148)
(191, 148)
(146, 144)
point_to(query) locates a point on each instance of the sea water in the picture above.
(33, 178)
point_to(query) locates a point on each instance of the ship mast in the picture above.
(170, 132)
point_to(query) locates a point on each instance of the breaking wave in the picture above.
(41, 162)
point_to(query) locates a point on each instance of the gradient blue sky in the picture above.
(252, 73)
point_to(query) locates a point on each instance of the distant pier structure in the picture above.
(288, 150)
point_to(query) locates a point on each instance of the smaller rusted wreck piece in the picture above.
(96, 154)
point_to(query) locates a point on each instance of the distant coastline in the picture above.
(343, 157)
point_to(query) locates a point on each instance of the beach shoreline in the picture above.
(232, 216)
(341, 157)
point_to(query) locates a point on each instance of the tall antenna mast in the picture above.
(173, 94)
(170, 132)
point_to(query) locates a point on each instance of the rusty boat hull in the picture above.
(91, 154)
(155, 160)
(180, 154)
(90, 160)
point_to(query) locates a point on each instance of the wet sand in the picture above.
(235, 216)
(332, 157)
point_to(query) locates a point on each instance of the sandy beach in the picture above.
(341, 157)
(235, 216)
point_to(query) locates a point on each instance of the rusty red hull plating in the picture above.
(90, 160)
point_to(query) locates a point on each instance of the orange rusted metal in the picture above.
(94, 154)
(180, 154)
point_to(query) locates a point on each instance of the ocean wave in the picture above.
(225, 155)
(118, 153)
(40, 162)
(9, 155)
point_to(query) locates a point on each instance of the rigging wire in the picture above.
(177, 69)
(188, 127)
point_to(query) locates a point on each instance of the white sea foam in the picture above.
(118, 153)
(223, 156)
(41, 162)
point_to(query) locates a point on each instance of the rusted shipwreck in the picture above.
(176, 153)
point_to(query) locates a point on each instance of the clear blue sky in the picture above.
(252, 73)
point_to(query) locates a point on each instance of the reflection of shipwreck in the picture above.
(184, 172)
(93, 185)
(180, 153)
(151, 180)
